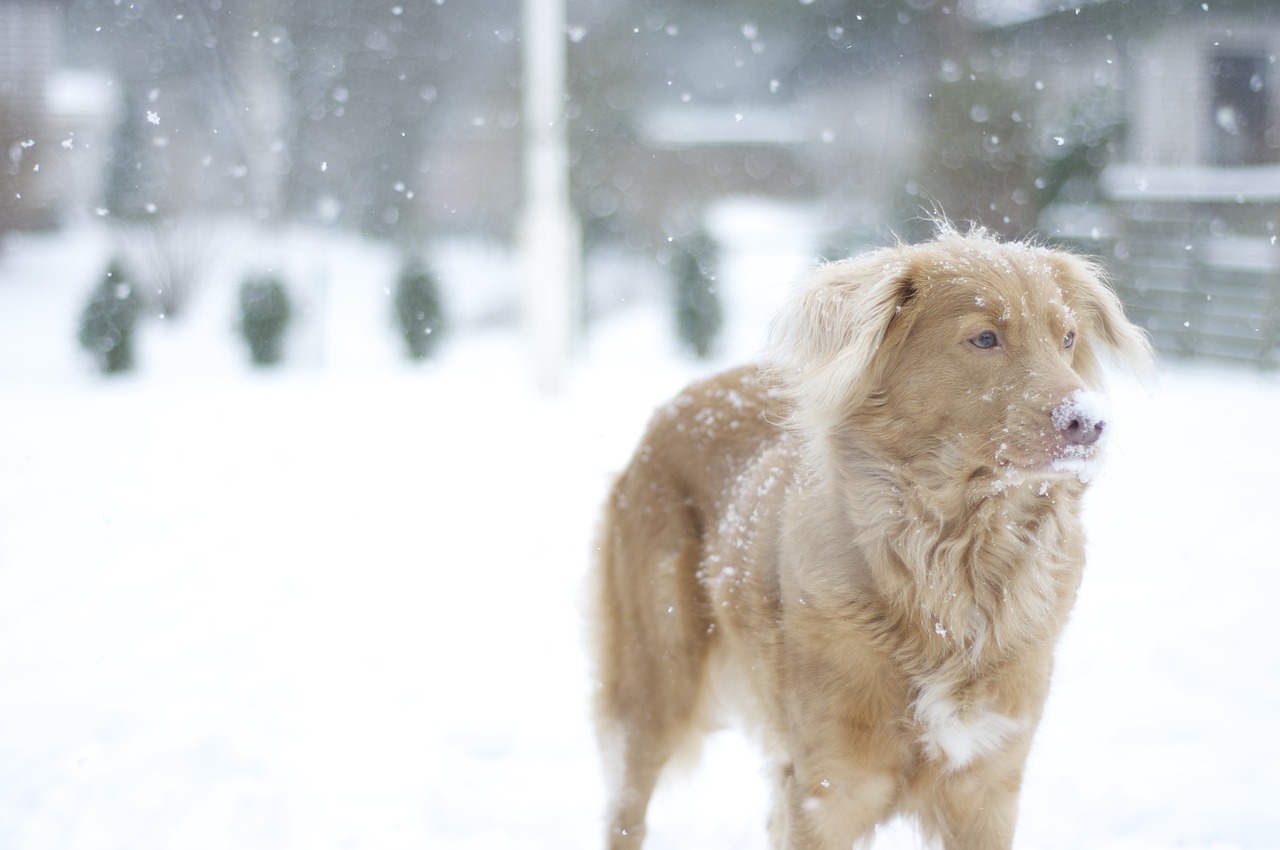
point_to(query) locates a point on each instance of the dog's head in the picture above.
(965, 353)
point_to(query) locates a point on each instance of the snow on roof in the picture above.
(1241, 184)
(1003, 12)
(81, 93)
(687, 126)
(1008, 13)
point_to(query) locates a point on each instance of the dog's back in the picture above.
(657, 576)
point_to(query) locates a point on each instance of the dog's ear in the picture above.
(1108, 333)
(825, 343)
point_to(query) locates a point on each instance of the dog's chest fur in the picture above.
(954, 734)
(951, 605)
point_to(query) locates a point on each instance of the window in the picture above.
(1239, 110)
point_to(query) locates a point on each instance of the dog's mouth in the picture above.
(1042, 468)
(1080, 461)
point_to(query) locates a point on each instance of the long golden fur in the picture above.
(878, 535)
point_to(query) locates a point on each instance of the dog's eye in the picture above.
(985, 340)
(1069, 340)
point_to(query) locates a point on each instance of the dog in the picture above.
(869, 545)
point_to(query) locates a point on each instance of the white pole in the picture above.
(548, 234)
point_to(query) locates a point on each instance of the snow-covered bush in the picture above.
(109, 319)
(419, 312)
(697, 304)
(265, 312)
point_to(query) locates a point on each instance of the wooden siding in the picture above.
(1198, 292)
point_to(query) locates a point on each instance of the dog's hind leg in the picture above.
(653, 645)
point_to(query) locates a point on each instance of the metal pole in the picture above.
(549, 237)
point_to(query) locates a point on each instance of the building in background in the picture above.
(54, 122)
(1147, 131)
(1195, 194)
(30, 37)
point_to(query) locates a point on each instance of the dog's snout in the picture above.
(1080, 419)
(1081, 432)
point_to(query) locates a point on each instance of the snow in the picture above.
(1089, 409)
(339, 605)
(1130, 182)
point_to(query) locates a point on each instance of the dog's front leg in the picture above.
(829, 807)
(978, 808)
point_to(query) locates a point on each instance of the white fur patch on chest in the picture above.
(958, 735)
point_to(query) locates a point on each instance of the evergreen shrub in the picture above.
(265, 312)
(108, 321)
(697, 303)
(419, 311)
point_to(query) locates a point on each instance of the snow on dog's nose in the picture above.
(1081, 422)
(1079, 426)
(1080, 418)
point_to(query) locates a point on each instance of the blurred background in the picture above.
(293, 537)
(1146, 131)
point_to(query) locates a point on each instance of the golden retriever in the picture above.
(875, 540)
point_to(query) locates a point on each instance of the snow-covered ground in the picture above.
(338, 605)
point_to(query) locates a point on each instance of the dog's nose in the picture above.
(1080, 432)
(1080, 418)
